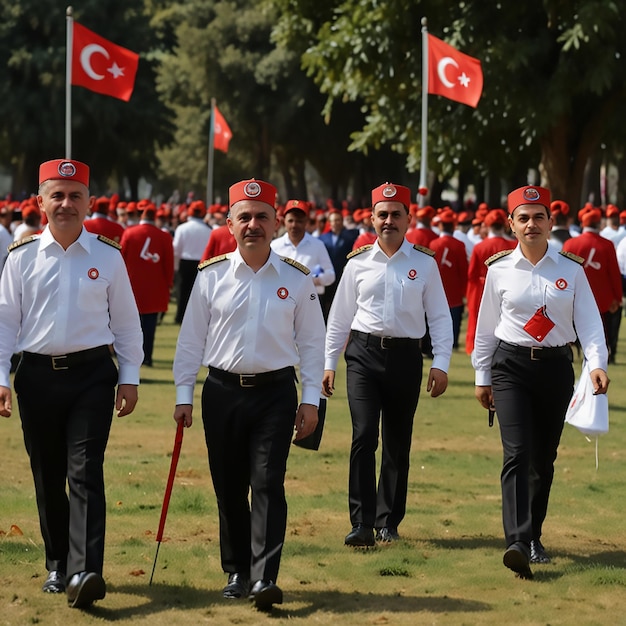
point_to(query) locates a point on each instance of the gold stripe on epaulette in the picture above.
(214, 259)
(303, 268)
(424, 249)
(498, 255)
(109, 241)
(21, 242)
(359, 250)
(572, 257)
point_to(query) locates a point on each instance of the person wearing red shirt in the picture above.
(602, 272)
(100, 224)
(221, 241)
(422, 234)
(496, 220)
(149, 256)
(451, 259)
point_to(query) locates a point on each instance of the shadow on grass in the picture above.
(161, 598)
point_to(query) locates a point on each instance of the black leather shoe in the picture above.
(238, 586)
(387, 534)
(84, 589)
(360, 535)
(55, 583)
(264, 594)
(538, 552)
(517, 558)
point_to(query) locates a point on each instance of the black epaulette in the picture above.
(21, 242)
(572, 257)
(215, 259)
(359, 250)
(423, 249)
(498, 255)
(109, 241)
(303, 268)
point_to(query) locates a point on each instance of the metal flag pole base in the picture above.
(178, 442)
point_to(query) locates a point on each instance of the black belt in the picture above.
(384, 343)
(536, 353)
(67, 361)
(253, 380)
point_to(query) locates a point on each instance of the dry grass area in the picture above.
(447, 569)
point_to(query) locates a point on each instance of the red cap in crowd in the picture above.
(64, 169)
(559, 206)
(297, 205)
(391, 193)
(591, 217)
(447, 216)
(252, 190)
(495, 217)
(528, 195)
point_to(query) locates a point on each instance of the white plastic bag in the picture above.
(586, 411)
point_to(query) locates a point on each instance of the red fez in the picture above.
(197, 208)
(426, 212)
(64, 169)
(297, 205)
(30, 209)
(465, 217)
(391, 193)
(495, 217)
(252, 189)
(559, 206)
(591, 217)
(622, 217)
(528, 195)
(447, 216)
(611, 210)
(131, 207)
(101, 205)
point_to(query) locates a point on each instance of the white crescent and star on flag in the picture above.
(85, 60)
(443, 64)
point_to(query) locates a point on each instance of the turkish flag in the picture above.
(102, 66)
(453, 74)
(221, 131)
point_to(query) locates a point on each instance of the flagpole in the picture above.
(68, 83)
(209, 179)
(423, 184)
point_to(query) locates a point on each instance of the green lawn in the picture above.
(446, 570)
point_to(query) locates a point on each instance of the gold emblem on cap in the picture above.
(252, 189)
(66, 169)
(531, 194)
(389, 191)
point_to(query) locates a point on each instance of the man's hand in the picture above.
(437, 382)
(6, 403)
(484, 396)
(599, 379)
(126, 399)
(306, 420)
(328, 383)
(182, 413)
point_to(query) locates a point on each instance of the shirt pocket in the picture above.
(92, 295)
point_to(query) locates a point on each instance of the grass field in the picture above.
(447, 569)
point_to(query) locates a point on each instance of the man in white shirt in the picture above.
(65, 298)
(251, 318)
(6, 238)
(299, 245)
(387, 293)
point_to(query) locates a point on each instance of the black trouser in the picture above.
(248, 434)
(148, 328)
(381, 382)
(611, 323)
(187, 271)
(66, 417)
(531, 398)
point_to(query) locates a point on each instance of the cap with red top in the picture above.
(391, 193)
(528, 195)
(64, 169)
(297, 205)
(591, 218)
(447, 216)
(559, 206)
(611, 210)
(495, 217)
(252, 189)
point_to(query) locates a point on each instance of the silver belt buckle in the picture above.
(55, 366)
(383, 344)
(246, 380)
(532, 353)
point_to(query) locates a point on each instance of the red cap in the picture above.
(64, 169)
(252, 189)
(30, 209)
(528, 195)
(447, 216)
(426, 212)
(101, 205)
(559, 206)
(391, 193)
(495, 217)
(297, 205)
(611, 210)
(197, 208)
(591, 217)
(465, 217)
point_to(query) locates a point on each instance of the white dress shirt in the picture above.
(388, 297)
(6, 239)
(515, 289)
(55, 301)
(312, 253)
(244, 322)
(190, 239)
